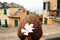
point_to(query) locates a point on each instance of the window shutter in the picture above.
(0, 22)
(58, 5)
(5, 12)
(48, 5)
(44, 6)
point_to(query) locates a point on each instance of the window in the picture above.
(16, 23)
(5, 11)
(46, 6)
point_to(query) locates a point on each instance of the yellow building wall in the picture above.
(50, 21)
(45, 13)
(12, 24)
(13, 11)
(3, 16)
(22, 15)
(53, 4)
(10, 12)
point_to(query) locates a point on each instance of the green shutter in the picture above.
(0, 23)
(45, 20)
(48, 5)
(5, 12)
(44, 5)
(16, 23)
(6, 23)
(58, 4)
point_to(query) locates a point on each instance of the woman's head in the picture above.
(30, 19)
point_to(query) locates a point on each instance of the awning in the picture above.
(54, 10)
(14, 16)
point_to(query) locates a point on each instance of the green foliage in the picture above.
(4, 4)
(21, 7)
(34, 13)
(37, 15)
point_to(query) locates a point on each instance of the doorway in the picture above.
(45, 20)
(16, 23)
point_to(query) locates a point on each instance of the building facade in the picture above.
(50, 8)
(11, 14)
(14, 20)
(4, 20)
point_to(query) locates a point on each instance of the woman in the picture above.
(30, 28)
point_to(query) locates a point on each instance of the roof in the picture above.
(20, 10)
(1, 5)
(16, 16)
(11, 5)
(4, 6)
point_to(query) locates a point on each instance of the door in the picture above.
(45, 20)
(6, 23)
(16, 23)
(0, 23)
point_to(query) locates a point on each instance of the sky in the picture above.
(31, 5)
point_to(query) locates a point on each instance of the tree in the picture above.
(4, 4)
(37, 15)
